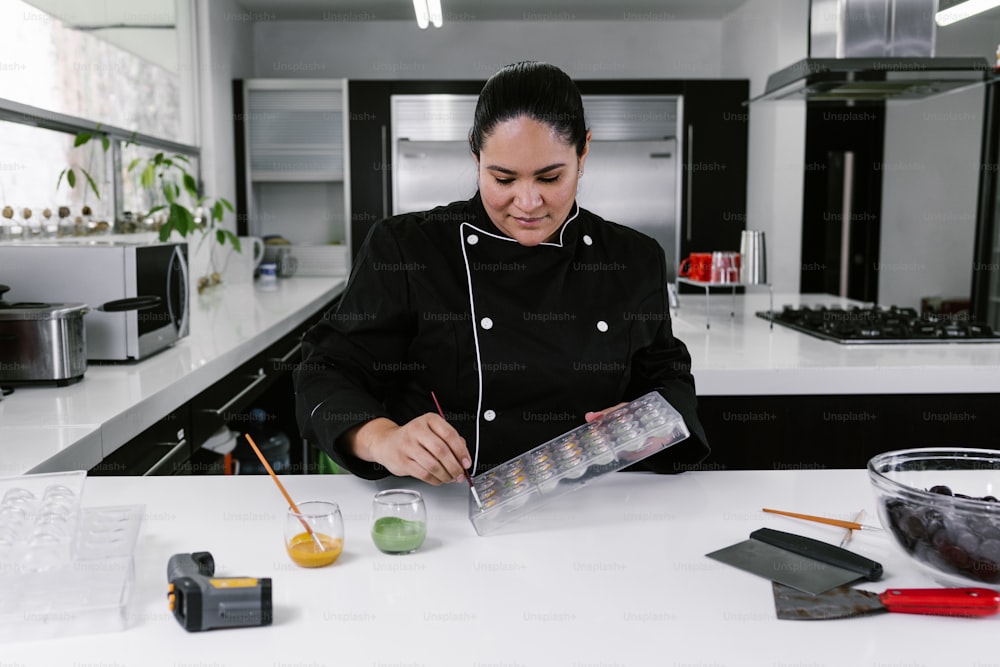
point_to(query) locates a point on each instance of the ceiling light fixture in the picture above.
(429, 13)
(964, 10)
(434, 9)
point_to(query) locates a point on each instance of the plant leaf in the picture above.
(220, 236)
(190, 185)
(133, 163)
(155, 209)
(183, 220)
(168, 192)
(233, 238)
(59, 180)
(158, 158)
(217, 211)
(182, 158)
(71, 178)
(149, 176)
(105, 142)
(81, 138)
(227, 204)
(90, 180)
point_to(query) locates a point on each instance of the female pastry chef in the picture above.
(524, 314)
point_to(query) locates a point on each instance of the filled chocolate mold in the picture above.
(647, 425)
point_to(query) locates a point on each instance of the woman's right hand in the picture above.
(427, 447)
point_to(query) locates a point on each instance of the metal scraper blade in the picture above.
(842, 602)
(776, 564)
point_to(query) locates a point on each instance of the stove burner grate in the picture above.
(894, 324)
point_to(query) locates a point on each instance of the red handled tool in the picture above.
(845, 602)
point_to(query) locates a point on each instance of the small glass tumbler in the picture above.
(399, 521)
(314, 536)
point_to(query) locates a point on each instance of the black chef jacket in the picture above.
(517, 342)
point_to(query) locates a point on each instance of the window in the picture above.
(46, 62)
(75, 59)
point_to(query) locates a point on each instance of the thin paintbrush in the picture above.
(853, 525)
(468, 477)
(281, 487)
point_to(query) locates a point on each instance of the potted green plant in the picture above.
(178, 205)
(169, 177)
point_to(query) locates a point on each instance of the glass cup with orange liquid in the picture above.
(323, 545)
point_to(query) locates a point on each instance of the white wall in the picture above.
(761, 37)
(225, 42)
(476, 49)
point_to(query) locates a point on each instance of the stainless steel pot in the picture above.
(47, 342)
(42, 342)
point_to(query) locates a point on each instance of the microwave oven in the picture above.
(137, 292)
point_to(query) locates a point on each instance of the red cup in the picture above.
(697, 266)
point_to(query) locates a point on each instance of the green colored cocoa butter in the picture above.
(394, 535)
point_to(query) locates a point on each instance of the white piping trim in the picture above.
(472, 308)
(475, 334)
(562, 230)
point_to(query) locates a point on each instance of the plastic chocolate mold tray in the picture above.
(38, 517)
(645, 426)
(64, 569)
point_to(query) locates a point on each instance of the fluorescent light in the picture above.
(434, 9)
(423, 15)
(964, 10)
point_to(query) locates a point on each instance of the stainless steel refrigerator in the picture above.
(631, 178)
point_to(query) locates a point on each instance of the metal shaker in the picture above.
(753, 258)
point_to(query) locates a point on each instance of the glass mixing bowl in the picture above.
(940, 504)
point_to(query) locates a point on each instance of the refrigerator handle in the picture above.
(385, 174)
(690, 174)
(846, 203)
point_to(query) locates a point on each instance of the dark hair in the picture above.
(539, 91)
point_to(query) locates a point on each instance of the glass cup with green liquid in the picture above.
(399, 521)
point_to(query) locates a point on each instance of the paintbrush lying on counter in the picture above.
(853, 525)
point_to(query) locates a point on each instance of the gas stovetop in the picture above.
(860, 325)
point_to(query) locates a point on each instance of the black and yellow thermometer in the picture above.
(201, 601)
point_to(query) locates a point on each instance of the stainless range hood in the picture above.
(873, 51)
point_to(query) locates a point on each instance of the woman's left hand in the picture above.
(594, 416)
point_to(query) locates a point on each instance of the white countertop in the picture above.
(48, 428)
(743, 355)
(613, 574)
(74, 427)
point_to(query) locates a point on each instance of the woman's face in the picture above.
(528, 178)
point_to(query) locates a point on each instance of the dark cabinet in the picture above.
(715, 137)
(173, 445)
(263, 382)
(840, 431)
(162, 449)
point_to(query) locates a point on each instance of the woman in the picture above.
(524, 314)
